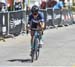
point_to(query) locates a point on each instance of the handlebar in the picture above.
(36, 29)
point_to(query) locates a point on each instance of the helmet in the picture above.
(34, 9)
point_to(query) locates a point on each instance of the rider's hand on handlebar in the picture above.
(42, 25)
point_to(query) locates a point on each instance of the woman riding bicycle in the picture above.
(36, 19)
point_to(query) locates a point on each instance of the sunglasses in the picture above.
(35, 13)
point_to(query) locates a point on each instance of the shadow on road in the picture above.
(21, 60)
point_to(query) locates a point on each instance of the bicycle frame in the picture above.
(36, 35)
(36, 39)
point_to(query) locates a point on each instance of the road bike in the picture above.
(36, 46)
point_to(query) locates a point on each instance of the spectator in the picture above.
(69, 4)
(51, 3)
(43, 5)
(59, 5)
(18, 6)
(10, 5)
(2, 6)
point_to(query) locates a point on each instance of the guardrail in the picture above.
(14, 22)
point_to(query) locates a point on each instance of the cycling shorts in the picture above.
(34, 25)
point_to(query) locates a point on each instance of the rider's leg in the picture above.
(31, 43)
(41, 38)
(32, 33)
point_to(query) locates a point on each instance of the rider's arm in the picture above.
(42, 21)
(28, 24)
(29, 20)
(42, 25)
(61, 4)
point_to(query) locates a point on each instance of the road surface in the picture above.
(58, 49)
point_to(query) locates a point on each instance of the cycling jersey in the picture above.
(59, 5)
(34, 21)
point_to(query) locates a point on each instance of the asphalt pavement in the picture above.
(58, 49)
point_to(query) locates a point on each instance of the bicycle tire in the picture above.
(32, 56)
(37, 55)
(35, 51)
(37, 48)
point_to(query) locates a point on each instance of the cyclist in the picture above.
(36, 18)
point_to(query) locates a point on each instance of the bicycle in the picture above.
(36, 46)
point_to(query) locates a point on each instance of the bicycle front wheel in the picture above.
(37, 48)
(32, 56)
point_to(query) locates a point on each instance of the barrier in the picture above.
(59, 18)
(16, 22)
(66, 17)
(13, 22)
(3, 23)
(53, 17)
(56, 17)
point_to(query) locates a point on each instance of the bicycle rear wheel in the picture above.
(37, 55)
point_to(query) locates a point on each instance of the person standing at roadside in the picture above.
(59, 5)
